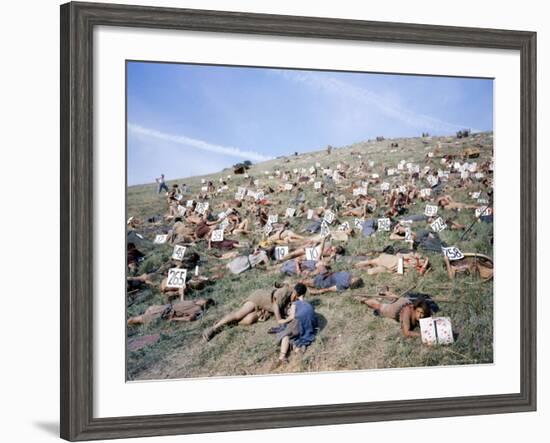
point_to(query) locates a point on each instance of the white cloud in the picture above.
(372, 100)
(195, 143)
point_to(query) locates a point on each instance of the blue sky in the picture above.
(186, 120)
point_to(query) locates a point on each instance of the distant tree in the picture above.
(247, 163)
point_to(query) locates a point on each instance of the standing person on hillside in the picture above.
(162, 183)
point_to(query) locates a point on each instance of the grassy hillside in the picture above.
(351, 337)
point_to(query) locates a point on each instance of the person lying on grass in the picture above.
(184, 310)
(390, 263)
(257, 307)
(328, 281)
(401, 309)
(328, 252)
(300, 326)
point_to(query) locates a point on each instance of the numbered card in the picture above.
(344, 226)
(280, 252)
(309, 214)
(329, 217)
(273, 218)
(295, 170)
(425, 192)
(433, 181)
(317, 185)
(479, 175)
(325, 230)
(391, 171)
(189, 203)
(400, 267)
(223, 225)
(385, 186)
(436, 331)
(473, 167)
(178, 197)
(271, 177)
(259, 195)
(179, 252)
(360, 191)
(318, 165)
(401, 166)
(312, 170)
(358, 223)
(313, 253)
(452, 253)
(290, 212)
(202, 207)
(268, 229)
(181, 210)
(483, 201)
(239, 195)
(160, 239)
(246, 176)
(430, 210)
(438, 225)
(203, 181)
(476, 195)
(384, 224)
(430, 154)
(375, 176)
(483, 211)
(403, 189)
(408, 234)
(204, 188)
(176, 278)
(288, 187)
(464, 175)
(217, 235)
(371, 163)
(256, 182)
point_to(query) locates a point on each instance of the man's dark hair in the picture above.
(425, 307)
(340, 250)
(300, 289)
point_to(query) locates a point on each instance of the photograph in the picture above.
(288, 220)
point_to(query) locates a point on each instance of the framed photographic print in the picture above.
(273, 221)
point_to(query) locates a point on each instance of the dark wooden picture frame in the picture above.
(77, 216)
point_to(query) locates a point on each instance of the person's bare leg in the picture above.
(373, 304)
(137, 320)
(249, 319)
(377, 270)
(366, 263)
(232, 317)
(285, 345)
(291, 255)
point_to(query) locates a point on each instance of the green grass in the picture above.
(351, 336)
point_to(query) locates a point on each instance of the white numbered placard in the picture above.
(280, 252)
(325, 230)
(425, 192)
(391, 171)
(360, 191)
(160, 239)
(217, 235)
(358, 223)
(176, 278)
(182, 210)
(312, 169)
(436, 331)
(344, 226)
(385, 186)
(204, 188)
(313, 253)
(268, 228)
(288, 187)
(239, 195)
(290, 212)
(203, 181)
(430, 210)
(476, 195)
(329, 217)
(202, 207)
(256, 182)
(295, 170)
(273, 218)
(433, 181)
(479, 175)
(259, 195)
(403, 189)
(400, 268)
(317, 185)
(223, 225)
(179, 252)
(438, 225)
(189, 203)
(384, 224)
(483, 211)
(483, 201)
(452, 253)
(309, 214)
(178, 197)
(430, 154)
(408, 234)
(375, 176)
